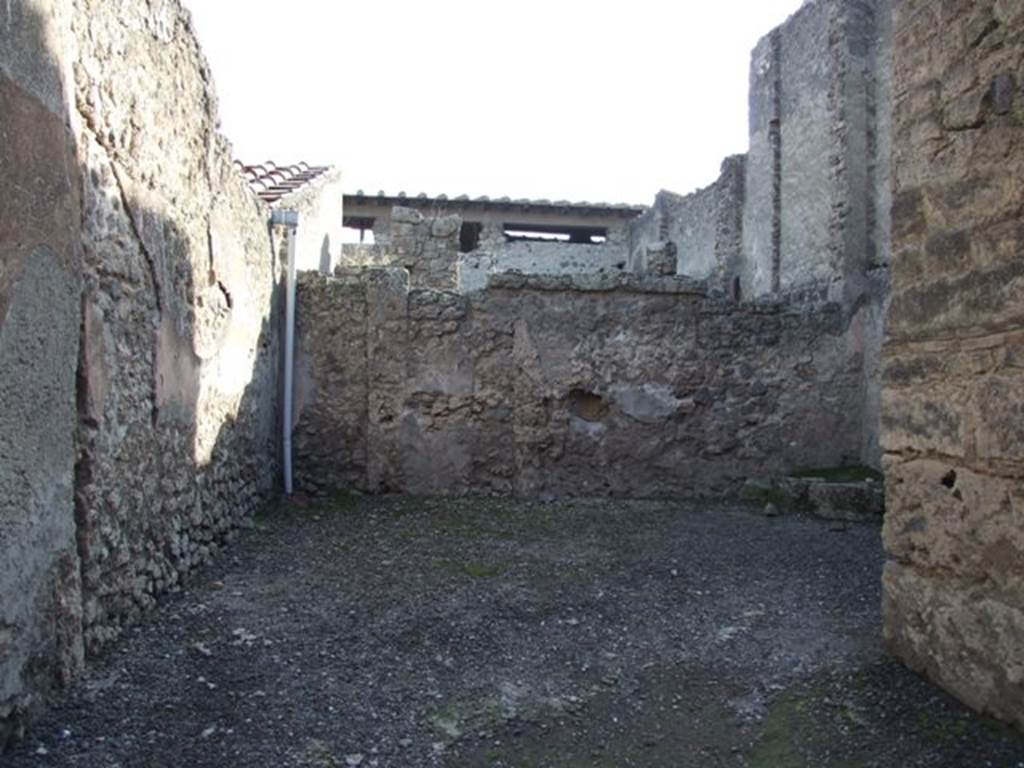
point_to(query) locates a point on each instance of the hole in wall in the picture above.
(949, 479)
(587, 405)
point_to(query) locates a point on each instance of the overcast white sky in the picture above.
(559, 99)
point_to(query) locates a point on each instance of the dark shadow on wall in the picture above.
(40, 603)
(113, 333)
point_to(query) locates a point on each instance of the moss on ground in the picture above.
(479, 570)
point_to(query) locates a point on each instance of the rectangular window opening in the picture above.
(357, 229)
(550, 233)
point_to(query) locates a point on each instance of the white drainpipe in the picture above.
(289, 219)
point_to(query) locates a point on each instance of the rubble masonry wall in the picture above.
(179, 358)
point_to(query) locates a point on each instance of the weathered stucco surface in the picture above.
(132, 254)
(954, 355)
(40, 600)
(873, 302)
(604, 384)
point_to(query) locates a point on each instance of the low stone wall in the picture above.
(595, 385)
(953, 393)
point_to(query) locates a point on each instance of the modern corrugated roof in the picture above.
(382, 198)
(272, 181)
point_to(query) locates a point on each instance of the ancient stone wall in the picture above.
(134, 255)
(179, 352)
(492, 216)
(812, 191)
(365, 255)
(332, 384)
(40, 284)
(804, 215)
(704, 228)
(570, 385)
(810, 50)
(954, 355)
(429, 249)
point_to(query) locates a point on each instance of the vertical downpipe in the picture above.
(289, 219)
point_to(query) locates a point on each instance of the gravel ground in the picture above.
(408, 632)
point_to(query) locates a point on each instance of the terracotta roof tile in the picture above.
(272, 181)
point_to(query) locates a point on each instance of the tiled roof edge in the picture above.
(423, 198)
(272, 182)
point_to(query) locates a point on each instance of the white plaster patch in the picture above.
(592, 429)
(648, 403)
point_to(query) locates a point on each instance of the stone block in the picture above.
(445, 226)
(999, 416)
(927, 418)
(402, 215)
(958, 633)
(661, 259)
(846, 501)
(758, 491)
(908, 215)
(648, 403)
(944, 517)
